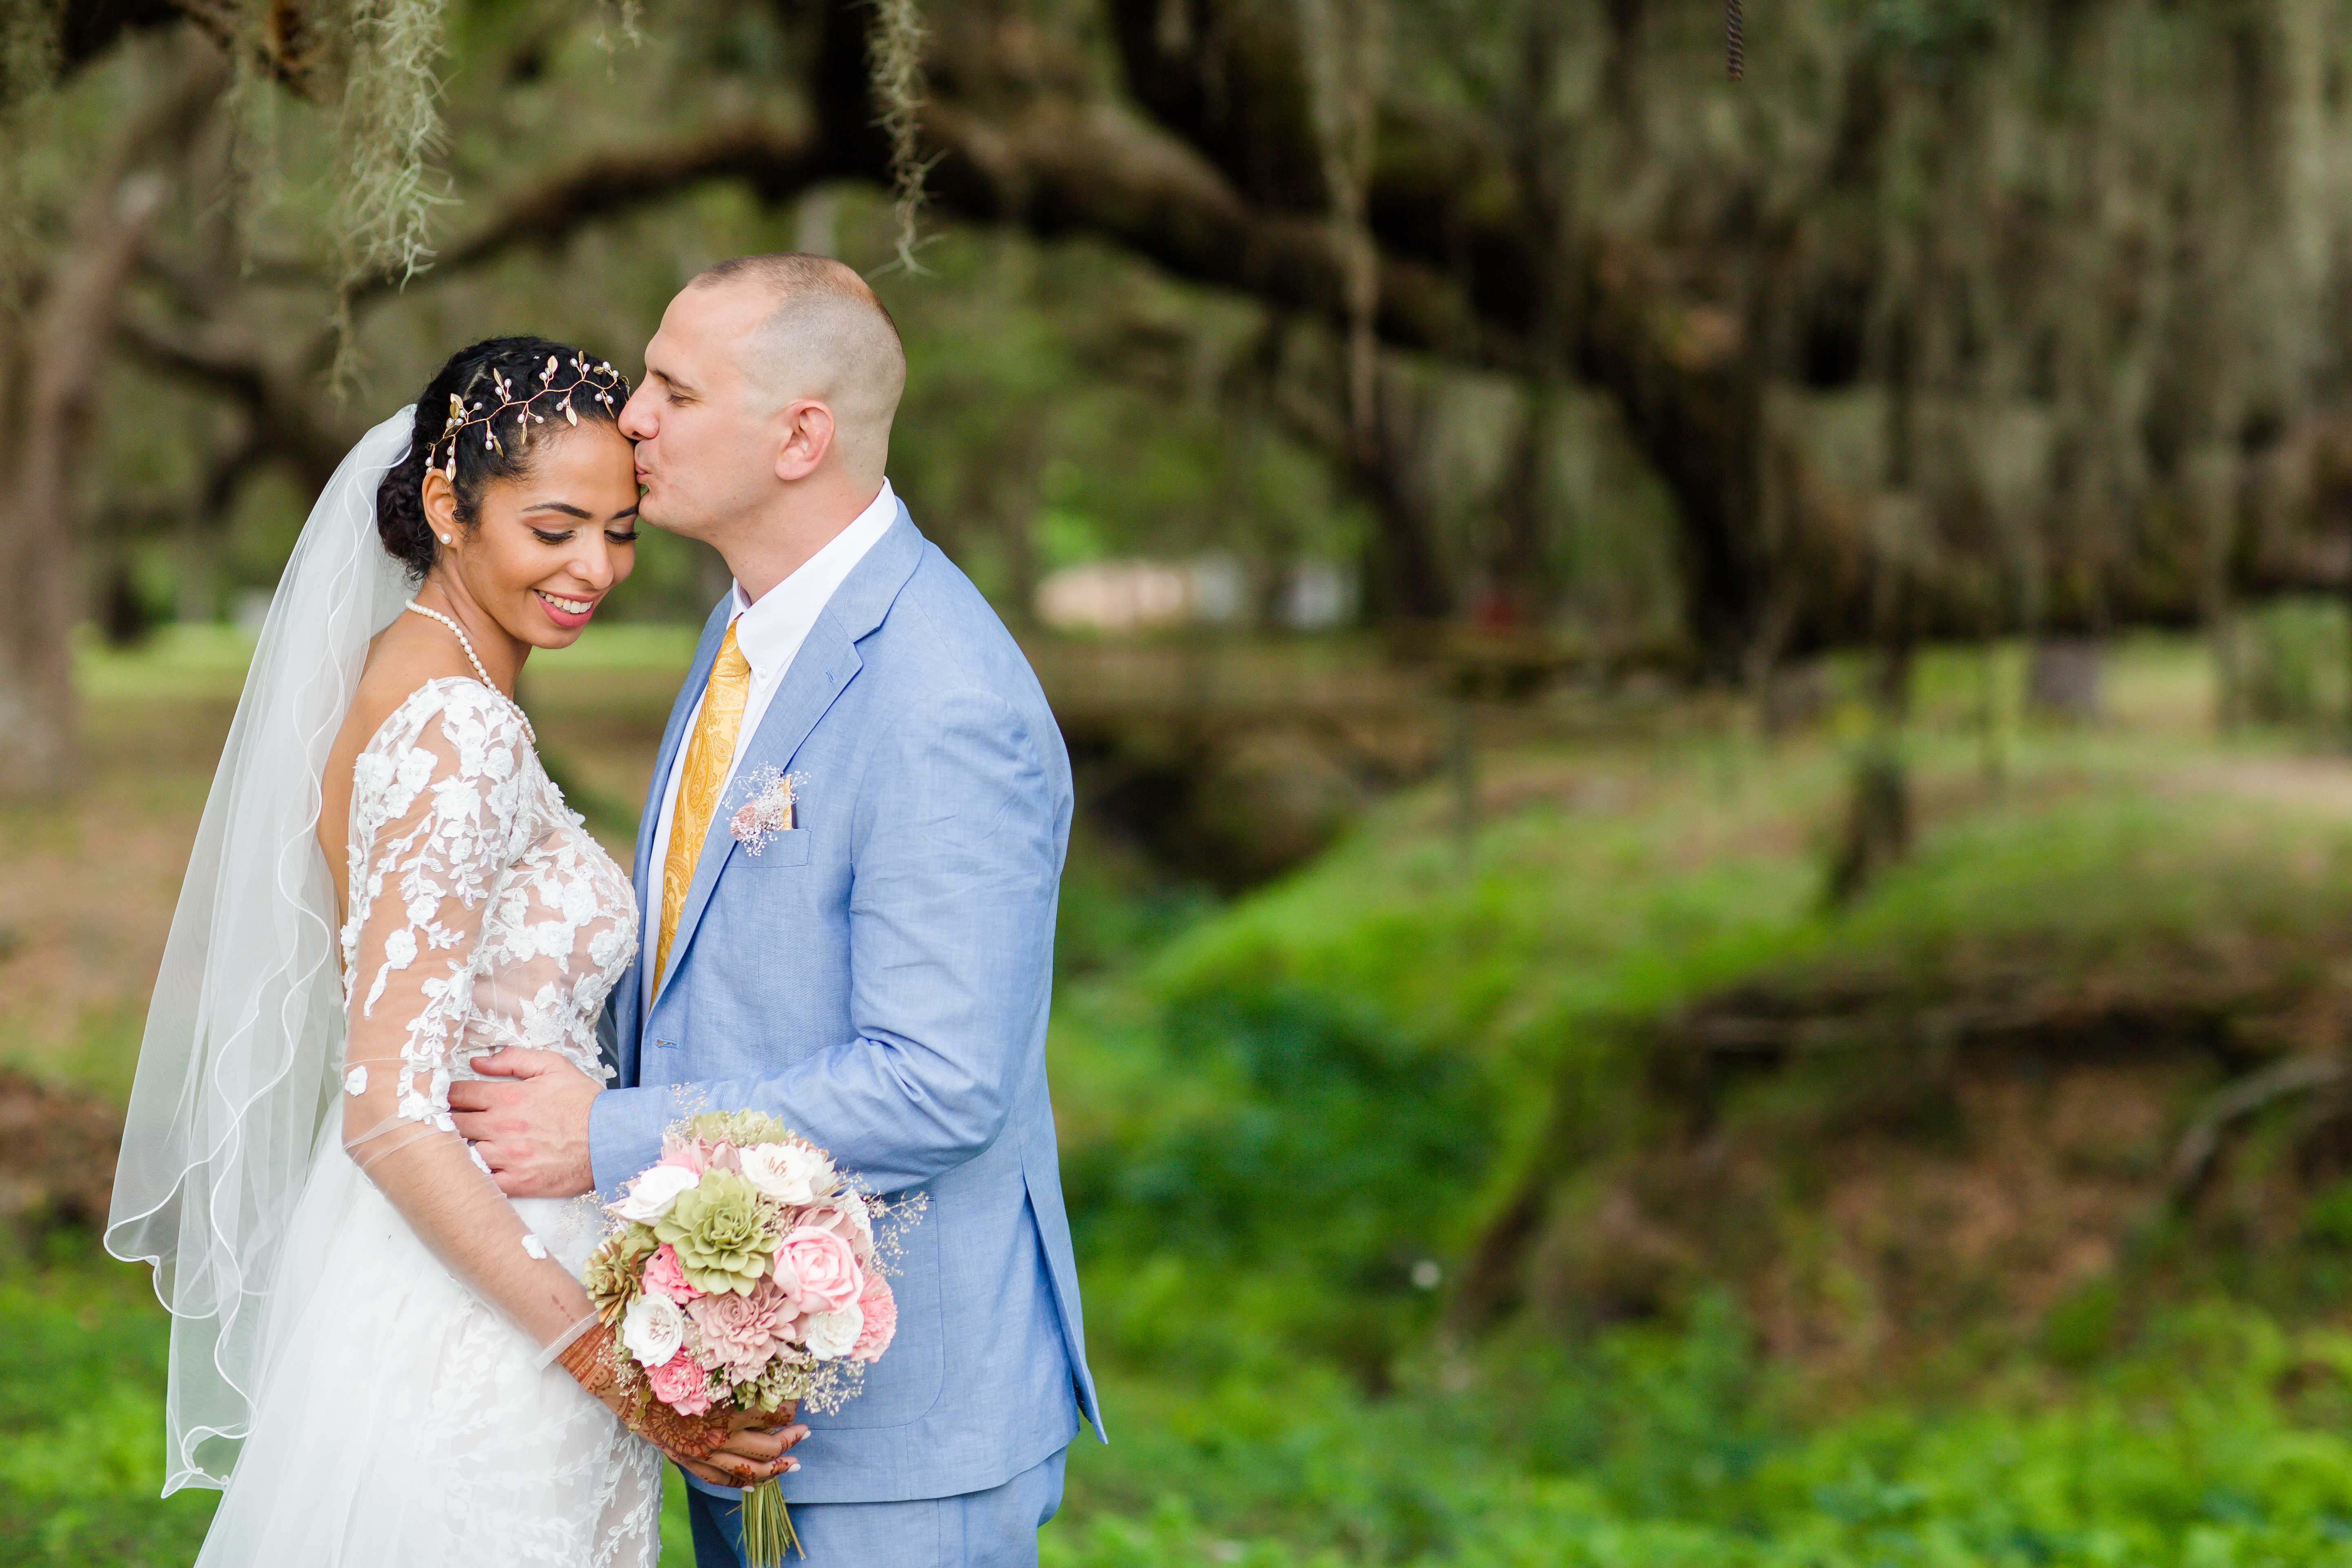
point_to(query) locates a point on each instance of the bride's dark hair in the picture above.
(471, 424)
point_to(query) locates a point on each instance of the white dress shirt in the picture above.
(770, 631)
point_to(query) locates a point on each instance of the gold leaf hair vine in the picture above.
(596, 375)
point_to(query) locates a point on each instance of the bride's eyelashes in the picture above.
(564, 535)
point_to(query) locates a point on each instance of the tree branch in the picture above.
(776, 165)
(278, 405)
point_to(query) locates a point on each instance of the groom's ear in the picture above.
(807, 429)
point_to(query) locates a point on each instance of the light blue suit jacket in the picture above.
(878, 977)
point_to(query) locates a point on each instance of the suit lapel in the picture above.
(822, 669)
(630, 1020)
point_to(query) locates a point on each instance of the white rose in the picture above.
(830, 1335)
(653, 1329)
(788, 1172)
(650, 1196)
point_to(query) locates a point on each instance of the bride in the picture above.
(381, 1358)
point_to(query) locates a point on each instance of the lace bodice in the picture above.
(481, 908)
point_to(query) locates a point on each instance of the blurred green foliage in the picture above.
(1297, 1178)
(81, 1414)
(2296, 660)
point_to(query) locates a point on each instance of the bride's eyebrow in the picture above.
(566, 508)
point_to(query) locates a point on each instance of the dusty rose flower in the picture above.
(725, 1157)
(881, 1323)
(846, 1217)
(681, 1384)
(830, 1276)
(686, 1157)
(665, 1274)
(739, 1331)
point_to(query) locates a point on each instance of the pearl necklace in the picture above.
(475, 659)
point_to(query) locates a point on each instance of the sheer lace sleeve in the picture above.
(434, 827)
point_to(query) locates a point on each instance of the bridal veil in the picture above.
(236, 1079)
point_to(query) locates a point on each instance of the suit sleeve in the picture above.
(951, 942)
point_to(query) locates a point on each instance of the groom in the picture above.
(878, 973)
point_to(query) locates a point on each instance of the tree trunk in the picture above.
(49, 354)
(54, 361)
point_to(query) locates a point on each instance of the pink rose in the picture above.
(665, 1275)
(827, 1270)
(881, 1310)
(686, 1157)
(682, 1384)
(740, 1331)
(846, 1217)
(726, 1157)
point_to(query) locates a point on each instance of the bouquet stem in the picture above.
(768, 1527)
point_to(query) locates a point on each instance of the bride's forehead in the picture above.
(594, 457)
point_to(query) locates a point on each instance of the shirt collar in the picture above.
(771, 629)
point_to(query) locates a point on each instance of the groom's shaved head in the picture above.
(825, 336)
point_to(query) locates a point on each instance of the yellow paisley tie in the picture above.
(706, 759)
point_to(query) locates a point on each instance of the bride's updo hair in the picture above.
(476, 422)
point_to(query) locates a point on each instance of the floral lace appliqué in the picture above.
(519, 922)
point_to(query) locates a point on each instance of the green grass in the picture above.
(2221, 1440)
(81, 1414)
(1631, 883)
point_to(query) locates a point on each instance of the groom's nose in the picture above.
(637, 417)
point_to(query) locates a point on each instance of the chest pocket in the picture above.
(781, 852)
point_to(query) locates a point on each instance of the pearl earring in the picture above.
(445, 539)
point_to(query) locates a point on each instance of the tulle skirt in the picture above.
(401, 1422)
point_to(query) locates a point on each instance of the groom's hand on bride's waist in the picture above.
(531, 1129)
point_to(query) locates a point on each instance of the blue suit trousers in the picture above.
(994, 1528)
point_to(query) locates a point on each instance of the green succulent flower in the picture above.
(722, 1231)
(612, 1270)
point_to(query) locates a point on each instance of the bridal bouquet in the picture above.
(745, 1271)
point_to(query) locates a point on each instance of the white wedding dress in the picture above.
(398, 1417)
(361, 1322)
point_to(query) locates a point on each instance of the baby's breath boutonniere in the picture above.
(768, 812)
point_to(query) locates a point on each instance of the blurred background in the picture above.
(1711, 919)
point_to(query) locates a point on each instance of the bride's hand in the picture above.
(752, 1452)
(735, 1449)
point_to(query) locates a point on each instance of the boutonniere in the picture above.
(768, 812)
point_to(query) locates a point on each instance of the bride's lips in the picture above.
(568, 612)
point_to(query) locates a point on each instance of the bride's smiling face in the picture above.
(543, 547)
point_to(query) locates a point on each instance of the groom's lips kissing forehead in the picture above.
(567, 612)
